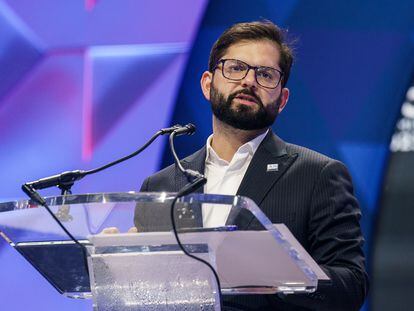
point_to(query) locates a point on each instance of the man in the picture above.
(312, 194)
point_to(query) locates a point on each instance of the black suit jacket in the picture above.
(313, 195)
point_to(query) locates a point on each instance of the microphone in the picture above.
(188, 129)
(169, 130)
(63, 179)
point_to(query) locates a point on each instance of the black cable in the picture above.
(163, 131)
(174, 153)
(190, 174)
(196, 180)
(42, 202)
(174, 226)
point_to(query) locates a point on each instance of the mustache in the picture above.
(246, 92)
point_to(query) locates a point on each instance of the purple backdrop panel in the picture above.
(61, 23)
(119, 131)
(86, 82)
(20, 50)
(120, 77)
(39, 123)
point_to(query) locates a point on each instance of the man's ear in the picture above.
(205, 83)
(284, 97)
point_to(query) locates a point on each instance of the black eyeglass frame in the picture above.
(255, 68)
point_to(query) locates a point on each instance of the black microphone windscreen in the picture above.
(188, 129)
(191, 128)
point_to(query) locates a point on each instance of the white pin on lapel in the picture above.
(273, 167)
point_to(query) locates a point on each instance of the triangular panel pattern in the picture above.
(115, 79)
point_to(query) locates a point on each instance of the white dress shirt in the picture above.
(225, 177)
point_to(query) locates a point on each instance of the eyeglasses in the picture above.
(236, 70)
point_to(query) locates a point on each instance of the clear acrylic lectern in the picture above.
(146, 270)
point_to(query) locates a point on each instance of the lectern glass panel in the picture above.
(248, 252)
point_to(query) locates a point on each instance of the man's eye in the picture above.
(237, 68)
(265, 75)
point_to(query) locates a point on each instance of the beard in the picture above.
(242, 117)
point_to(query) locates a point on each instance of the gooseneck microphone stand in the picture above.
(66, 180)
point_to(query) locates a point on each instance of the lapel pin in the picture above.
(273, 167)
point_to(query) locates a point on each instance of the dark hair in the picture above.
(253, 31)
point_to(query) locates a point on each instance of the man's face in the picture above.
(245, 104)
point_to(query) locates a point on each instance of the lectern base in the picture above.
(152, 280)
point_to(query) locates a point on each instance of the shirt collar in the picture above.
(250, 147)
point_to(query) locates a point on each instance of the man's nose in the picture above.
(250, 79)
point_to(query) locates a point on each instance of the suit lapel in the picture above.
(269, 163)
